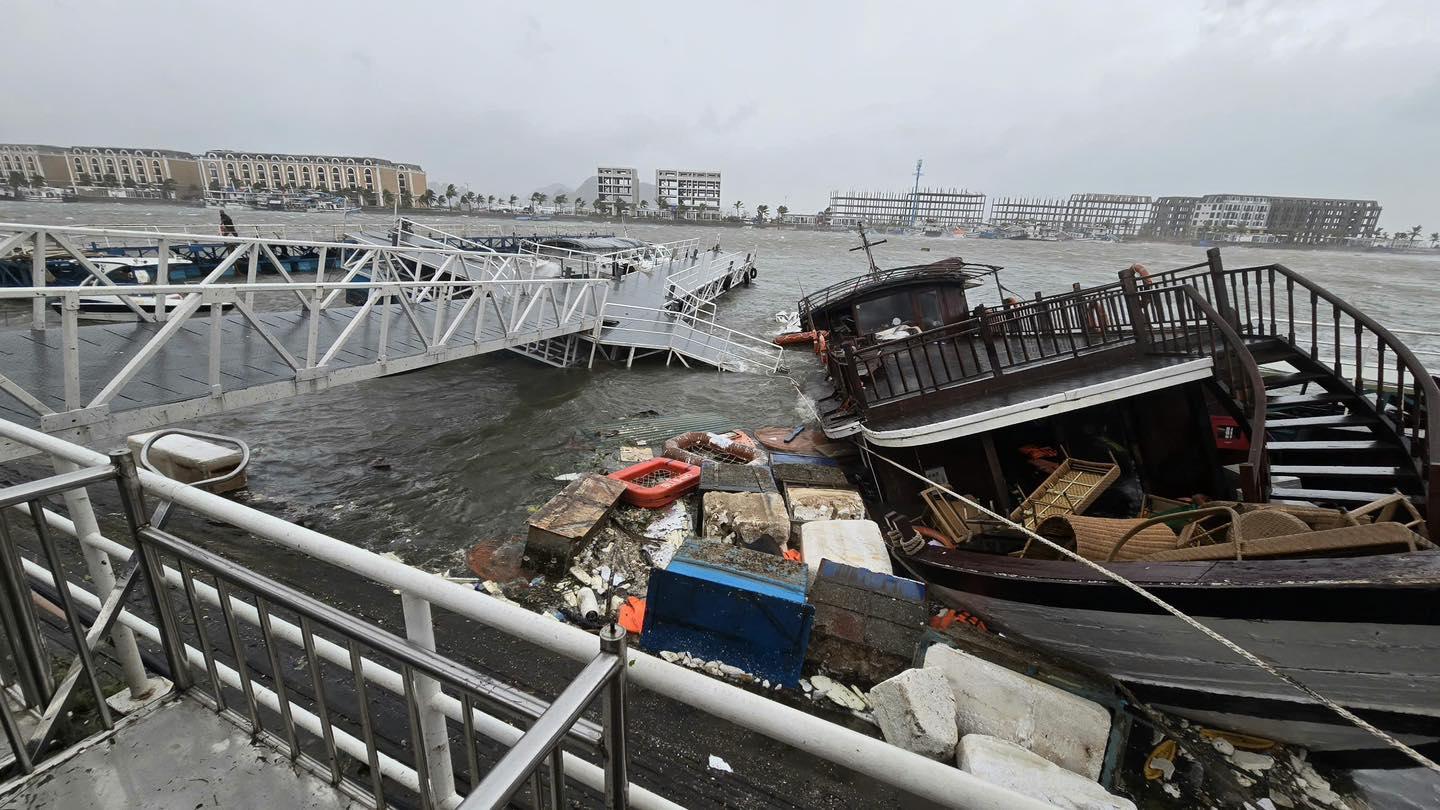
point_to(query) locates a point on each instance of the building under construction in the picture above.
(942, 207)
(1118, 214)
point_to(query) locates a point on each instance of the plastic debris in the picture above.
(1252, 762)
(581, 575)
(575, 476)
(1224, 746)
(588, 606)
(720, 765)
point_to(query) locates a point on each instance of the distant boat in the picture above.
(46, 195)
(125, 271)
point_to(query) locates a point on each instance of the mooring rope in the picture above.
(1264, 665)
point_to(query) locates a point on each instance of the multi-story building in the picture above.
(1297, 220)
(1232, 212)
(125, 166)
(222, 168)
(232, 169)
(953, 207)
(691, 189)
(1120, 214)
(32, 160)
(1171, 217)
(1313, 221)
(615, 184)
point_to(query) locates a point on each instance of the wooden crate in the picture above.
(1069, 490)
(570, 519)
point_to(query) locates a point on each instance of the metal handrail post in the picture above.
(132, 500)
(434, 735)
(613, 641)
(27, 646)
(97, 564)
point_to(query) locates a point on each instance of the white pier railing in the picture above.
(211, 346)
(441, 703)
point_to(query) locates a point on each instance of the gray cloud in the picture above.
(789, 100)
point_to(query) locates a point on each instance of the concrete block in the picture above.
(815, 503)
(853, 542)
(916, 711)
(749, 515)
(1065, 729)
(1008, 765)
(188, 459)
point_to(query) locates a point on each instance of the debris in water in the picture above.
(575, 476)
(720, 765)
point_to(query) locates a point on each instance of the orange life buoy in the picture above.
(1096, 317)
(793, 338)
(926, 531)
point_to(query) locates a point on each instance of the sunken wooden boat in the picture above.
(1247, 388)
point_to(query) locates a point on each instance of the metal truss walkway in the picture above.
(190, 350)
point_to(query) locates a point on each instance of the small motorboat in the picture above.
(125, 271)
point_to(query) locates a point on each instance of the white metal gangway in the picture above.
(233, 339)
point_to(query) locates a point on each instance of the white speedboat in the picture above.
(125, 271)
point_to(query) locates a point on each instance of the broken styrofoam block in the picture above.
(916, 711)
(748, 515)
(1065, 729)
(856, 543)
(1008, 765)
(821, 503)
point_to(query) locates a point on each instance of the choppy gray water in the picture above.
(430, 463)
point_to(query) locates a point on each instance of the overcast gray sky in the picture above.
(789, 100)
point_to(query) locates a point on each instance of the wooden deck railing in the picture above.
(1199, 310)
(1364, 358)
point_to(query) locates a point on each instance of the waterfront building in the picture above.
(953, 207)
(691, 189)
(93, 166)
(1313, 220)
(1119, 214)
(615, 184)
(33, 160)
(232, 169)
(1293, 220)
(1171, 217)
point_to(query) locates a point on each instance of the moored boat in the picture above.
(1304, 538)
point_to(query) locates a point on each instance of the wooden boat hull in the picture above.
(1362, 631)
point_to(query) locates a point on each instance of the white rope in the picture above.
(1162, 604)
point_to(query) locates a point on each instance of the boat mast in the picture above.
(865, 245)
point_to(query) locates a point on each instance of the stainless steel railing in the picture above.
(864, 756)
(272, 705)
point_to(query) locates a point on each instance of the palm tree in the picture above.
(1434, 238)
(760, 212)
(1414, 234)
(600, 206)
(579, 204)
(662, 202)
(428, 198)
(620, 206)
(782, 211)
(450, 194)
(645, 205)
(560, 200)
(514, 199)
(17, 179)
(738, 206)
(37, 181)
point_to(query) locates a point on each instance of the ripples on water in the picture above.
(430, 463)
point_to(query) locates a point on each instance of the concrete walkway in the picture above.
(177, 756)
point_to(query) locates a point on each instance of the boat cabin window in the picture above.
(926, 308)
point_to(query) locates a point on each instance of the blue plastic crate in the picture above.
(743, 607)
